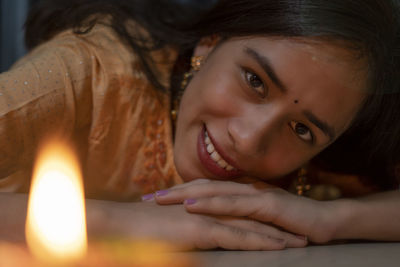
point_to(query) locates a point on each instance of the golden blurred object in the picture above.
(56, 222)
(324, 192)
(318, 191)
(301, 184)
(139, 253)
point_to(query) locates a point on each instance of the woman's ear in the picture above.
(206, 45)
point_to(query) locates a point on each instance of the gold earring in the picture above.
(195, 65)
(301, 185)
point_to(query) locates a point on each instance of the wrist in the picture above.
(109, 218)
(120, 219)
(98, 218)
(342, 218)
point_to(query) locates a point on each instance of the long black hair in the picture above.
(371, 28)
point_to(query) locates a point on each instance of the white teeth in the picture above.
(222, 163)
(207, 140)
(210, 148)
(214, 154)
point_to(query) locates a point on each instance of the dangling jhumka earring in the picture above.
(195, 64)
(301, 184)
(317, 191)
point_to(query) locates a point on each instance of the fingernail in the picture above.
(190, 201)
(148, 197)
(302, 237)
(162, 193)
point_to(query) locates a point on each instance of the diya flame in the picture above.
(56, 223)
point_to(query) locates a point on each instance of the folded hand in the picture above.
(286, 216)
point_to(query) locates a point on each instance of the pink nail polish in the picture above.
(162, 193)
(190, 201)
(148, 197)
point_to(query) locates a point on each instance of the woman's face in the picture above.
(267, 105)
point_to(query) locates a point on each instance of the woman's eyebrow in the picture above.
(266, 66)
(325, 127)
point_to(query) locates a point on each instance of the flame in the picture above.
(56, 223)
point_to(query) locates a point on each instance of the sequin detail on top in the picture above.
(130, 144)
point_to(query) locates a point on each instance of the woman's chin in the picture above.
(185, 170)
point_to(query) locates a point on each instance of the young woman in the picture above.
(272, 86)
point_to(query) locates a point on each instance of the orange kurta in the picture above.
(92, 89)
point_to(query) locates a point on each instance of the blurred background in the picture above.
(12, 18)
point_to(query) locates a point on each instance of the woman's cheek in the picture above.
(221, 94)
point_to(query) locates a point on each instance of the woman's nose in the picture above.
(252, 132)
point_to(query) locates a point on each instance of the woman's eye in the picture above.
(302, 131)
(255, 83)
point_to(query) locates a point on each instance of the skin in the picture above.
(311, 220)
(149, 220)
(255, 121)
(255, 131)
(253, 216)
(172, 223)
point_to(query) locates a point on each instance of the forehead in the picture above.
(317, 52)
(325, 77)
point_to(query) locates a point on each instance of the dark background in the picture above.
(12, 18)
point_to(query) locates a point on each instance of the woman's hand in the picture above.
(257, 201)
(189, 231)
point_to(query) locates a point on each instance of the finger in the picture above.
(193, 182)
(151, 197)
(291, 240)
(293, 213)
(252, 180)
(204, 189)
(265, 208)
(262, 207)
(234, 238)
(148, 197)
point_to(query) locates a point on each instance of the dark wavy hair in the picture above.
(371, 28)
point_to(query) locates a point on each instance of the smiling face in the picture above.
(263, 107)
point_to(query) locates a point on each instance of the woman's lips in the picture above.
(209, 164)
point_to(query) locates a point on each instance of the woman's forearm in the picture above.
(148, 220)
(12, 216)
(104, 218)
(376, 217)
